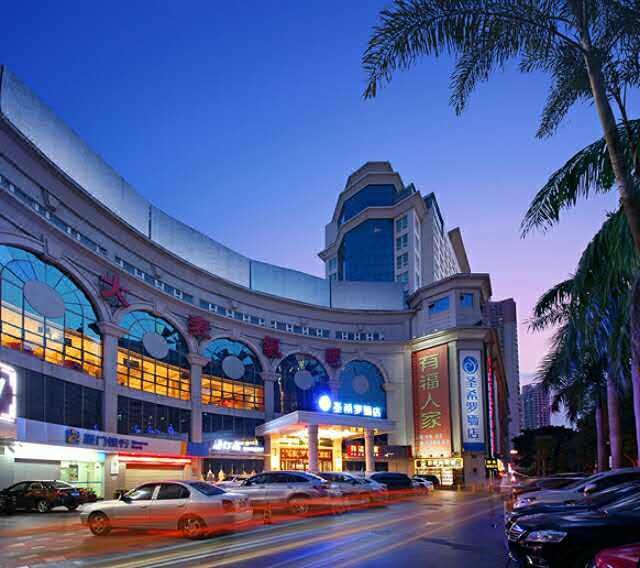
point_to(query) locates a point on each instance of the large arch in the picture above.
(362, 384)
(47, 313)
(152, 355)
(301, 380)
(232, 377)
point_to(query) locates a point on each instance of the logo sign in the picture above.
(8, 389)
(472, 395)
(112, 290)
(75, 437)
(242, 446)
(431, 407)
(328, 405)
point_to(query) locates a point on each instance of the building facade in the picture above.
(133, 347)
(536, 407)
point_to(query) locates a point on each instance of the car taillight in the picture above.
(227, 505)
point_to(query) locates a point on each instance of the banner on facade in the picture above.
(431, 406)
(472, 399)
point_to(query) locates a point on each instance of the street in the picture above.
(442, 529)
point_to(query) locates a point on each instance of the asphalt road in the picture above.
(442, 529)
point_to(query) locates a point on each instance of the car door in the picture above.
(34, 492)
(17, 494)
(135, 509)
(168, 505)
(255, 488)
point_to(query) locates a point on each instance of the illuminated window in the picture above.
(44, 313)
(152, 356)
(232, 377)
(301, 381)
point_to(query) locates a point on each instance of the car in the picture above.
(393, 480)
(593, 501)
(40, 495)
(192, 507)
(234, 481)
(422, 485)
(354, 490)
(87, 495)
(580, 489)
(573, 540)
(619, 557)
(377, 491)
(296, 491)
(432, 478)
(549, 482)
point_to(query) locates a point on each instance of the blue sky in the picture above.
(244, 119)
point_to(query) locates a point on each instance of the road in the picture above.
(442, 529)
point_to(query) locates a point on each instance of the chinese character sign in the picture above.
(472, 401)
(431, 412)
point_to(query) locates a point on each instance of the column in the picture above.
(110, 334)
(312, 430)
(269, 378)
(197, 362)
(369, 455)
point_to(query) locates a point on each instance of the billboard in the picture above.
(431, 402)
(472, 400)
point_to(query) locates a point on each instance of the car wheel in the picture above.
(192, 527)
(299, 504)
(42, 506)
(99, 524)
(72, 507)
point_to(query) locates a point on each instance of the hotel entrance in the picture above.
(298, 459)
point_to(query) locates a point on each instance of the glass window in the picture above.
(362, 383)
(142, 493)
(439, 306)
(232, 378)
(172, 491)
(165, 370)
(369, 196)
(402, 261)
(206, 488)
(466, 300)
(301, 380)
(142, 417)
(71, 340)
(402, 242)
(401, 224)
(366, 252)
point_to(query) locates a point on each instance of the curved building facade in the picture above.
(133, 347)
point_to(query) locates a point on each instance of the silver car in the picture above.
(192, 507)
(377, 491)
(296, 491)
(354, 489)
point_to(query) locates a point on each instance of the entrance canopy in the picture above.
(332, 426)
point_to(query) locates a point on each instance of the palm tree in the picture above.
(589, 47)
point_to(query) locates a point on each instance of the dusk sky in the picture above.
(244, 121)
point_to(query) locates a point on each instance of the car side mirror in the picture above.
(590, 488)
(125, 498)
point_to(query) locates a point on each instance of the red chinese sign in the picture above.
(271, 347)
(431, 406)
(332, 357)
(199, 327)
(113, 291)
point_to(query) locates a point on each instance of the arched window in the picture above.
(361, 383)
(44, 313)
(152, 356)
(301, 381)
(232, 377)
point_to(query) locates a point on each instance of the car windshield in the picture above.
(579, 484)
(206, 488)
(615, 493)
(628, 503)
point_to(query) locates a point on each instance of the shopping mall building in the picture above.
(134, 347)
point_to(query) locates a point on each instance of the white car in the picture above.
(231, 482)
(578, 491)
(422, 485)
(192, 507)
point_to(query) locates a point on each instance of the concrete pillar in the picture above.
(268, 379)
(337, 455)
(110, 335)
(197, 362)
(267, 453)
(312, 429)
(369, 453)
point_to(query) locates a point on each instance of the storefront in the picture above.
(447, 470)
(229, 457)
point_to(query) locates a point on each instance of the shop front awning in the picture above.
(329, 425)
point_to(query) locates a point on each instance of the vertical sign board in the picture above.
(431, 407)
(472, 399)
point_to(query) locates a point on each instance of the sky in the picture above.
(244, 119)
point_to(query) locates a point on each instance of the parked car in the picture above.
(572, 540)
(377, 491)
(393, 480)
(580, 489)
(540, 483)
(422, 485)
(353, 489)
(87, 495)
(192, 507)
(298, 491)
(594, 501)
(620, 557)
(432, 478)
(234, 481)
(41, 496)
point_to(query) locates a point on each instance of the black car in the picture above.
(572, 540)
(549, 482)
(603, 498)
(40, 496)
(394, 481)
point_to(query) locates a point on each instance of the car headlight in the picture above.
(546, 536)
(523, 502)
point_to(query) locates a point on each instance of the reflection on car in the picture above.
(192, 507)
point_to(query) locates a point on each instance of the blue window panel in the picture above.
(366, 253)
(369, 196)
(439, 306)
(362, 383)
(466, 300)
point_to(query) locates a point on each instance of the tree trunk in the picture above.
(600, 441)
(613, 410)
(635, 359)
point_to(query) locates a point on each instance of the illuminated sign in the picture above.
(357, 451)
(244, 446)
(431, 407)
(8, 389)
(491, 463)
(472, 395)
(106, 441)
(326, 404)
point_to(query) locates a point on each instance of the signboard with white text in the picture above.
(472, 400)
